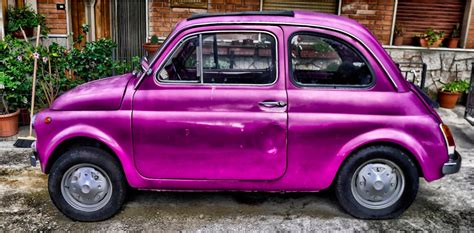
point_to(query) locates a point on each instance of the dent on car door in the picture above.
(211, 113)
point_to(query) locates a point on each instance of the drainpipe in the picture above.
(339, 7)
(261, 5)
(394, 18)
(2, 18)
(466, 23)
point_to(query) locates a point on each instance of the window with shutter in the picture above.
(327, 6)
(416, 16)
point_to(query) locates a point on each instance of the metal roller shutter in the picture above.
(418, 15)
(328, 6)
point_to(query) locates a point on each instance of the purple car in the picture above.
(252, 101)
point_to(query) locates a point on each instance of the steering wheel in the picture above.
(173, 66)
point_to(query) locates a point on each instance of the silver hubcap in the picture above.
(377, 184)
(86, 187)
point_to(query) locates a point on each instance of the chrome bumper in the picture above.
(453, 165)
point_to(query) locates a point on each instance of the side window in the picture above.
(238, 58)
(321, 61)
(182, 65)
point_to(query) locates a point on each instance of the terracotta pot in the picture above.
(24, 116)
(448, 99)
(453, 43)
(9, 124)
(151, 48)
(424, 43)
(398, 40)
(19, 35)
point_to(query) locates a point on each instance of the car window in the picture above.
(182, 65)
(238, 58)
(322, 61)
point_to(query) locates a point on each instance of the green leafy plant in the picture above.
(16, 66)
(455, 86)
(432, 36)
(456, 32)
(399, 30)
(154, 39)
(25, 17)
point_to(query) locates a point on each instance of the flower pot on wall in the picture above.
(453, 43)
(151, 48)
(398, 40)
(18, 34)
(436, 44)
(9, 124)
(448, 99)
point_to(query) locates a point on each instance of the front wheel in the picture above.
(87, 184)
(378, 182)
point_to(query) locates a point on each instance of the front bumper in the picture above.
(453, 165)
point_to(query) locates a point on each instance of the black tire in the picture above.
(99, 158)
(344, 181)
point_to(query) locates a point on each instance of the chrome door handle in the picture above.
(272, 104)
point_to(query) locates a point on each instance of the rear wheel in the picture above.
(87, 184)
(377, 182)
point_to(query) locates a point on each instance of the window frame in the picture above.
(328, 86)
(199, 61)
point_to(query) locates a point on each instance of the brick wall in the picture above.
(55, 19)
(163, 18)
(376, 15)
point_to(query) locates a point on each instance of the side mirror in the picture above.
(145, 67)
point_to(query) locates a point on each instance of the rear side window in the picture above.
(324, 61)
(223, 58)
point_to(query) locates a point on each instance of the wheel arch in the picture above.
(77, 141)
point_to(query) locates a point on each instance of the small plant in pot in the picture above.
(453, 40)
(399, 32)
(431, 38)
(449, 94)
(16, 65)
(153, 45)
(24, 18)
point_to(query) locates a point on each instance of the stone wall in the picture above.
(442, 65)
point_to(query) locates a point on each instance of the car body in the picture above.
(272, 110)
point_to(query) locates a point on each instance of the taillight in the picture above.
(448, 137)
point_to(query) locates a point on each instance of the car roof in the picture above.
(301, 18)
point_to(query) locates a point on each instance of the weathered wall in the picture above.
(375, 15)
(163, 18)
(55, 19)
(443, 65)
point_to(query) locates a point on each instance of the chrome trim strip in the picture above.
(158, 54)
(185, 38)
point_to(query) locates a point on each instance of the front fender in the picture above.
(46, 150)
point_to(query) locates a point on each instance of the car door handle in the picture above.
(272, 104)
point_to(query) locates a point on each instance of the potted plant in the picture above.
(24, 18)
(449, 94)
(431, 38)
(152, 46)
(16, 65)
(453, 40)
(399, 32)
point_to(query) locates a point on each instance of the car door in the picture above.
(215, 108)
(337, 92)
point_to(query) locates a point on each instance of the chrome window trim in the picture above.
(201, 83)
(167, 42)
